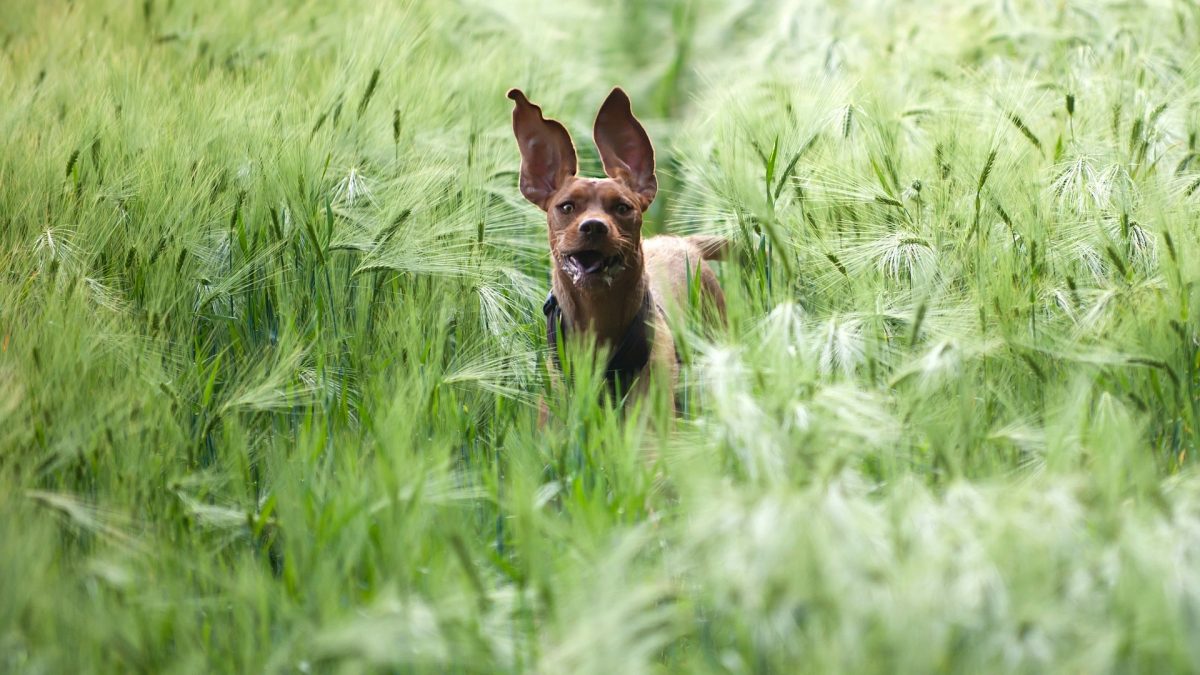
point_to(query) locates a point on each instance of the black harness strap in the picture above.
(627, 360)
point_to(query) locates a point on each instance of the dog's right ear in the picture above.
(547, 155)
(625, 149)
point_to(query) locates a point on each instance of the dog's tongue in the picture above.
(589, 261)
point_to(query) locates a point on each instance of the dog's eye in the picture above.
(623, 208)
(566, 207)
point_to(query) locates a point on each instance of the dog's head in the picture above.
(595, 223)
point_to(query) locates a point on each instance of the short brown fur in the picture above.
(602, 268)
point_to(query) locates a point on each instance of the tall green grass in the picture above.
(271, 341)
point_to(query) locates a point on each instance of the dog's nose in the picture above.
(593, 228)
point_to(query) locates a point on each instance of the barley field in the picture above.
(271, 341)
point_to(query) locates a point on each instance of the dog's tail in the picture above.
(711, 246)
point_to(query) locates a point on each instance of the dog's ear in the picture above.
(624, 146)
(547, 155)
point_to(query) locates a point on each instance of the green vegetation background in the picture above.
(270, 341)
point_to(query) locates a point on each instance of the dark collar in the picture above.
(627, 360)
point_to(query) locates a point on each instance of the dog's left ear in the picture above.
(547, 155)
(625, 148)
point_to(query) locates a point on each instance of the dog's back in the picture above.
(674, 262)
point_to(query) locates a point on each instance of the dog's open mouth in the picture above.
(592, 264)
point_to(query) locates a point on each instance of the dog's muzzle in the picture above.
(586, 265)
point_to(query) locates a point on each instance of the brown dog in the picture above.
(608, 285)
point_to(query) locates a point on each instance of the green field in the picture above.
(271, 342)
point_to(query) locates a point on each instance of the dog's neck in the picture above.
(603, 313)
